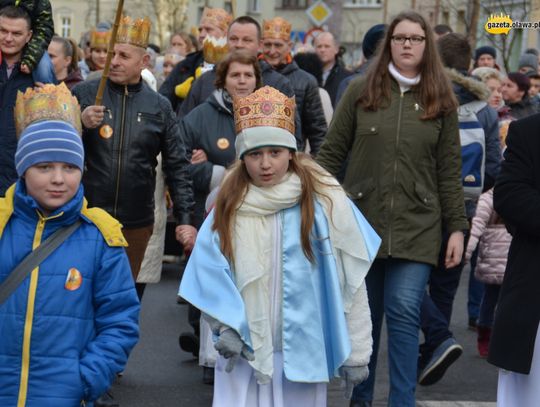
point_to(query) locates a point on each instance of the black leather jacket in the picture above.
(120, 174)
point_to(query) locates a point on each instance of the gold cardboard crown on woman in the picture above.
(100, 39)
(134, 32)
(277, 28)
(50, 102)
(265, 107)
(217, 17)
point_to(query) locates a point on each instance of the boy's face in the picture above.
(52, 184)
(14, 34)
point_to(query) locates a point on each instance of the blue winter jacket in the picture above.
(67, 330)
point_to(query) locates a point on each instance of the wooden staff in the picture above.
(233, 9)
(110, 53)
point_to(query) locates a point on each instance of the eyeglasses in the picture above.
(414, 40)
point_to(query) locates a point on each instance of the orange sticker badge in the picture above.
(73, 279)
(106, 131)
(223, 143)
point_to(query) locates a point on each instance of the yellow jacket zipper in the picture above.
(29, 319)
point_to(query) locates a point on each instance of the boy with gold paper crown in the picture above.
(68, 327)
(278, 269)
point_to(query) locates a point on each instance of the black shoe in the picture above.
(443, 356)
(106, 400)
(472, 323)
(189, 342)
(208, 375)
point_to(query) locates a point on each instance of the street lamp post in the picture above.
(97, 12)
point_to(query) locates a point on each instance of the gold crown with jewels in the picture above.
(134, 32)
(50, 102)
(277, 28)
(265, 107)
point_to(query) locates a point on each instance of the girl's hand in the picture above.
(454, 250)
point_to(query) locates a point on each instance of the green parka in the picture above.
(404, 173)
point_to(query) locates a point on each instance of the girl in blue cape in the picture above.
(278, 269)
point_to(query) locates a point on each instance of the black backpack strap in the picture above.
(30, 262)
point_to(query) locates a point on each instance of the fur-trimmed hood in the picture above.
(467, 88)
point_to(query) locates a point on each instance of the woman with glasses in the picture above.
(399, 125)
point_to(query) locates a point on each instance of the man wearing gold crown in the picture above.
(15, 33)
(123, 138)
(214, 22)
(243, 33)
(277, 46)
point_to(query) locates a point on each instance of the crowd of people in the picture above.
(310, 201)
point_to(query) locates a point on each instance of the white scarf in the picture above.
(404, 82)
(253, 265)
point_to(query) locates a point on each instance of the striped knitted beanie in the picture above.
(49, 141)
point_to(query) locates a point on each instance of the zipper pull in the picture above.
(110, 113)
(416, 107)
(139, 117)
(126, 93)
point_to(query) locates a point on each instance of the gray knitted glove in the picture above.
(230, 346)
(351, 376)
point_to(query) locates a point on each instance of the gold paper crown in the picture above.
(217, 17)
(277, 28)
(49, 102)
(214, 49)
(264, 107)
(134, 32)
(100, 39)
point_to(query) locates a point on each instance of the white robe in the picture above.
(521, 390)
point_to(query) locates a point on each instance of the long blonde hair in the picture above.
(234, 189)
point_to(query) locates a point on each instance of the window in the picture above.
(363, 3)
(294, 4)
(254, 6)
(65, 26)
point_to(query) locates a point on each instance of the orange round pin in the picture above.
(223, 143)
(73, 279)
(106, 131)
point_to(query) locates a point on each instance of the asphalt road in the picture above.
(160, 374)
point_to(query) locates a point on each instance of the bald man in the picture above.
(327, 49)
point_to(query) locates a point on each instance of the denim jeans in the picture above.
(395, 288)
(476, 290)
(44, 71)
(437, 304)
(488, 305)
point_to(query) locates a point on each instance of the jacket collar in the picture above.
(122, 88)
(26, 207)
